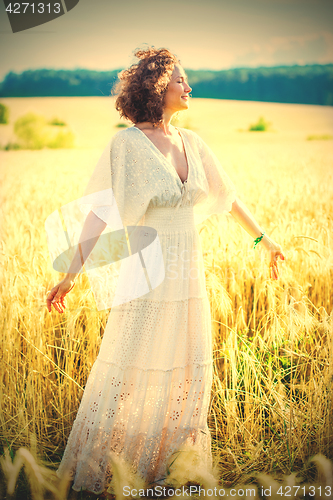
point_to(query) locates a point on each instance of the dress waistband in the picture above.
(170, 218)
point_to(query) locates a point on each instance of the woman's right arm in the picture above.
(91, 231)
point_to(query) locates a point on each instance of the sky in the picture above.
(204, 34)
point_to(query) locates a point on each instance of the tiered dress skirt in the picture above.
(148, 392)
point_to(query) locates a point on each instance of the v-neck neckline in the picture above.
(165, 158)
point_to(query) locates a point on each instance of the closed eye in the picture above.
(182, 79)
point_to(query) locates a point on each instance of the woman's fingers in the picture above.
(57, 307)
(56, 297)
(49, 299)
(274, 271)
(274, 268)
(54, 301)
(58, 302)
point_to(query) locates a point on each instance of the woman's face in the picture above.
(176, 97)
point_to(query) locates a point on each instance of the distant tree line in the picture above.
(51, 82)
(310, 84)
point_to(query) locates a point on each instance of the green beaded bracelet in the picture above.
(258, 240)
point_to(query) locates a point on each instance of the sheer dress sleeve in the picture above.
(118, 191)
(220, 190)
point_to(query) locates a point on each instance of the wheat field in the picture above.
(272, 398)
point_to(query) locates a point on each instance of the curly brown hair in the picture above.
(141, 88)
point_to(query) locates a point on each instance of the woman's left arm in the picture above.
(243, 216)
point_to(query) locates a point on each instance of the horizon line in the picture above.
(186, 69)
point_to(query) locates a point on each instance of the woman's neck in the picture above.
(165, 126)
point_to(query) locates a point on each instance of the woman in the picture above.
(149, 390)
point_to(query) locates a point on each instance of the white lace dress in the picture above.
(149, 389)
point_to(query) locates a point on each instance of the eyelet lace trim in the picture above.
(144, 416)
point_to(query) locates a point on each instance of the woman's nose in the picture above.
(188, 88)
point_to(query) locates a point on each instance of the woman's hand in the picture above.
(56, 296)
(274, 252)
(244, 217)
